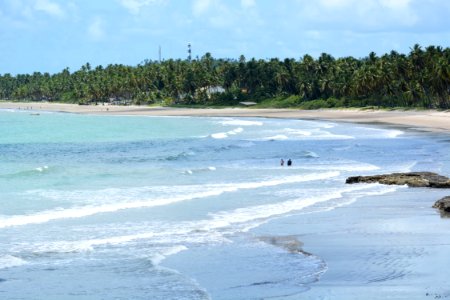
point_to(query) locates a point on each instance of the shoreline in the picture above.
(425, 120)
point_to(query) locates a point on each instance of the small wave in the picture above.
(235, 131)
(262, 212)
(363, 192)
(278, 137)
(27, 173)
(310, 154)
(236, 122)
(157, 258)
(249, 216)
(217, 227)
(199, 170)
(224, 135)
(87, 245)
(220, 135)
(327, 125)
(378, 133)
(179, 156)
(186, 194)
(298, 132)
(394, 133)
(325, 135)
(320, 135)
(9, 261)
(42, 169)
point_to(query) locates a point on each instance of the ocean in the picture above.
(134, 207)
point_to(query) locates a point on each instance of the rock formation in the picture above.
(412, 179)
(443, 205)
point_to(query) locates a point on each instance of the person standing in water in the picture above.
(282, 162)
(289, 162)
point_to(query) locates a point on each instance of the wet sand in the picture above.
(426, 120)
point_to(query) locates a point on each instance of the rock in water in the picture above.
(412, 179)
(443, 205)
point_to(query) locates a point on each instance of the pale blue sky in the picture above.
(49, 35)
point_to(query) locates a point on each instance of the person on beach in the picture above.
(282, 162)
(289, 162)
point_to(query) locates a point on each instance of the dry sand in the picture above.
(427, 120)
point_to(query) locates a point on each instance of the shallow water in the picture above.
(100, 207)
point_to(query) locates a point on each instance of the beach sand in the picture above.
(426, 120)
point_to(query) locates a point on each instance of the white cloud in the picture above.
(335, 3)
(396, 4)
(248, 3)
(135, 6)
(356, 15)
(199, 7)
(49, 7)
(96, 29)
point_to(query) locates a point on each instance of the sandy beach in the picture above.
(426, 120)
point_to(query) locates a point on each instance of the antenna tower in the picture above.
(189, 52)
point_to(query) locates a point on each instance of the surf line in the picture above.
(84, 211)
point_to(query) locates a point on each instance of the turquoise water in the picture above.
(120, 207)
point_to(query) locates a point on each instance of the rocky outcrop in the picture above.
(443, 205)
(412, 179)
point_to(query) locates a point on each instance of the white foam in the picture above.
(236, 122)
(235, 131)
(9, 261)
(381, 133)
(315, 134)
(185, 194)
(88, 245)
(157, 258)
(311, 154)
(326, 135)
(247, 214)
(224, 135)
(298, 132)
(220, 135)
(394, 133)
(379, 190)
(251, 217)
(220, 224)
(41, 169)
(190, 172)
(278, 137)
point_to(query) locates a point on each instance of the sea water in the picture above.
(133, 207)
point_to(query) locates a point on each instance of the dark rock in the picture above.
(289, 243)
(443, 205)
(412, 179)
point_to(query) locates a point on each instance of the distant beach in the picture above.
(426, 120)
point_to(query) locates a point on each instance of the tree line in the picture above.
(420, 78)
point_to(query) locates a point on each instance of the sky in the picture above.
(50, 35)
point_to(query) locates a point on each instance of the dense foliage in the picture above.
(419, 79)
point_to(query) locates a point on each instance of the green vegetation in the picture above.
(419, 79)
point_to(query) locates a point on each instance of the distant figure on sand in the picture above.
(282, 162)
(289, 162)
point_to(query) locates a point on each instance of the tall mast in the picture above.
(189, 52)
